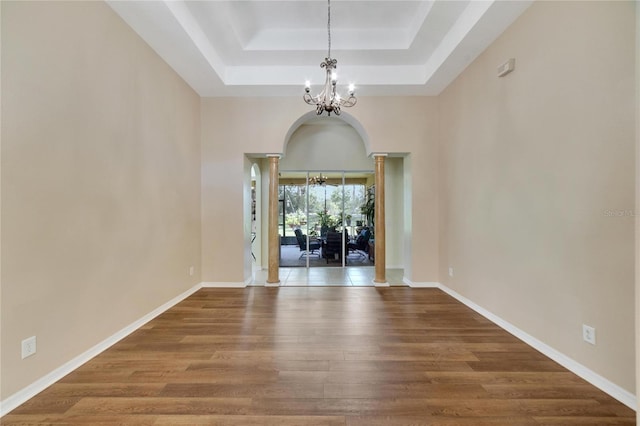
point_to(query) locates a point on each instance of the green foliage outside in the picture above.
(325, 206)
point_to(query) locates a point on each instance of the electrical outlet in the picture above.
(450, 271)
(191, 270)
(28, 347)
(589, 334)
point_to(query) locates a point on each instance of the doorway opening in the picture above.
(256, 217)
(324, 218)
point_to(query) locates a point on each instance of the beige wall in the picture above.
(533, 165)
(100, 182)
(233, 127)
(394, 212)
(1, 377)
(637, 253)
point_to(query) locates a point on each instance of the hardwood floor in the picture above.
(330, 276)
(321, 356)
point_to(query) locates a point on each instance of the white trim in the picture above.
(384, 284)
(266, 284)
(420, 284)
(224, 284)
(615, 391)
(47, 380)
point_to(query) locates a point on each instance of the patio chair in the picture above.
(314, 246)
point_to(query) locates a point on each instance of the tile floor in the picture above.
(290, 257)
(329, 276)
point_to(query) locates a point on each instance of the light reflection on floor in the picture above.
(327, 276)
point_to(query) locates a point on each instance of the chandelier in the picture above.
(328, 99)
(317, 180)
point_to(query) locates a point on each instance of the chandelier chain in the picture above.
(329, 27)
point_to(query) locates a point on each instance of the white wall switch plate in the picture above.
(450, 271)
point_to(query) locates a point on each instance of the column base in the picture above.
(380, 284)
(275, 284)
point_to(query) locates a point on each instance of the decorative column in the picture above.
(273, 278)
(380, 279)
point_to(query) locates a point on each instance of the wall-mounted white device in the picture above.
(507, 67)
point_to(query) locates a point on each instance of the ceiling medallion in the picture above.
(328, 99)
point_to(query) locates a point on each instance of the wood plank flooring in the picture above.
(321, 356)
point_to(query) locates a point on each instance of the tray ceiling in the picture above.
(269, 48)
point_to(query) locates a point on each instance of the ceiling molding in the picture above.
(269, 48)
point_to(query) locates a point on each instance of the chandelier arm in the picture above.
(311, 100)
(308, 99)
(348, 103)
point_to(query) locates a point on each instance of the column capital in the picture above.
(278, 156)
(379, 154)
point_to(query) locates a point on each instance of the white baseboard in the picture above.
(224, 285)
(44, 382)
(420, 284)
(615, 391)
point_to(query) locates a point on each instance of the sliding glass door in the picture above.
(318, 208)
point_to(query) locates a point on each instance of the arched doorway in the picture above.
(399, 196)
(340, 156)
(324, 177)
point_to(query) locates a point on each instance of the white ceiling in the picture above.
(269, 48)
